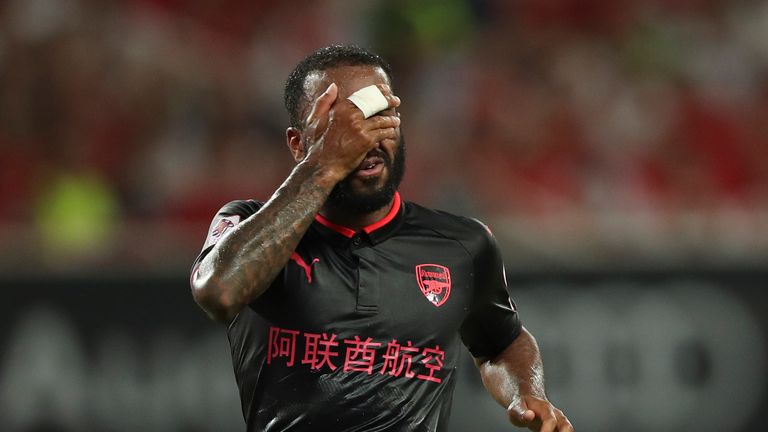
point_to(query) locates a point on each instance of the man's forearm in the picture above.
(243, 264)
(517, 371)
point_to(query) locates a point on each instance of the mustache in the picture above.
(381, 154)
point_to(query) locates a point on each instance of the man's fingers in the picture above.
(368, 100)
(383, 122)
(563, 424)
(519, 413)
(545, 419)
(323, 103)
(380, 135)
(393, 100)
(548, 422)
(528, 416)
(538, 415)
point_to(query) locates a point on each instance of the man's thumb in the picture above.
(324, 102)
(519, 413)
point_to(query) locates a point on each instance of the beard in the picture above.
(344, 197)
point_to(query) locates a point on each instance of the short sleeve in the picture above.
(225, 219)
(492, 322)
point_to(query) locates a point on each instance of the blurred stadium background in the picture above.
(619, 150)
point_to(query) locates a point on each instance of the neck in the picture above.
(352, 221)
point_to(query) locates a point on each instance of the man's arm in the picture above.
(244, 263)
(515, 378)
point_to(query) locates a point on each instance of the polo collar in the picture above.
(376, 231)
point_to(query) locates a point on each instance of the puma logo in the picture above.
(307, 267)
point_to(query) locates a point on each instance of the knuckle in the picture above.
(357, 127)
(353, 112)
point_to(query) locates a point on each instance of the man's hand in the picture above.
(337, 135)
(242, 266)
(537, 414)
(515, 378)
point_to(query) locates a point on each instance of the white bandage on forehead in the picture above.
(369, 100)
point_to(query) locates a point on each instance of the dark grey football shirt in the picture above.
(362, 331)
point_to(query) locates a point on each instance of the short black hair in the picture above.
(320, 60)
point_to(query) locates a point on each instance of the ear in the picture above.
(293, 139)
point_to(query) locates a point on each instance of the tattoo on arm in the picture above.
(244, 263)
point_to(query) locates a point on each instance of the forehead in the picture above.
(349, 79)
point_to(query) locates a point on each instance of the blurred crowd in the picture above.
(115, 114)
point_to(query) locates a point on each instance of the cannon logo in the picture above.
(435, 282)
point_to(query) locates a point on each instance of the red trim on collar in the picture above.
(348, 232)
(386, 219)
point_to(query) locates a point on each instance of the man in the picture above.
(345, 305)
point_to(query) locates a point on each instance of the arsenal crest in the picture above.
(435, 282)
(221, 227)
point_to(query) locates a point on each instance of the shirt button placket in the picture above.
(368, 278)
